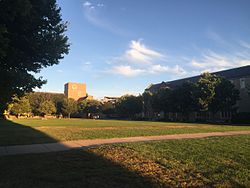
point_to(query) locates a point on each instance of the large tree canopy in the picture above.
(225, 97)
(183, 98)
(129, 105)
(20, 106)
(47, 108)
(162, 100)
(206, 90)
(31, 38)
(69, 107)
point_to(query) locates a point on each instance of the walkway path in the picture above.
(67, 145)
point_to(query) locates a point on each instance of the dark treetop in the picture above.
(31, 38)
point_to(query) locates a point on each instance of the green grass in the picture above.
(210, 162)
(89, 123)
(28, 131)
(221, 161)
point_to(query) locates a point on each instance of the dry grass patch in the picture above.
(160, 175)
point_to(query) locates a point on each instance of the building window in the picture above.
(222, 114)
(242, 83)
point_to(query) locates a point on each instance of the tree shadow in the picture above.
(72, 168)
(12, 133)
(76, 168)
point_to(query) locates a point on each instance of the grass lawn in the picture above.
(210, 162)
(25, 131)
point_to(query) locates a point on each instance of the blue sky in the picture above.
(120, 47)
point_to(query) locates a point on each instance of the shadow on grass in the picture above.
(12, 133)
(77, 168)
(73, 168)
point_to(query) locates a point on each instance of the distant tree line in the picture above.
(37, 104)
(210, 93)
(45, 104)
(42, 104)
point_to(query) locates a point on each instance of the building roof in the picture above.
(228, 74)
(75, 83)
(111, 97)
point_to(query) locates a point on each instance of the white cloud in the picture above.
(127, 71)
(139, 59)
(215, 37)
(244, 62)
(176, 70)
(100, 5)
(138, 52)
(219, 40)
(245, 44)
(87, 4)
(212, 61)
(159, 68)
(87, 63)
(93, 14)
(86, 66)
(234, 55)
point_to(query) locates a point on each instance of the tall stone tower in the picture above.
(75, 90)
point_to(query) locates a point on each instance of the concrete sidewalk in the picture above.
(67, 145)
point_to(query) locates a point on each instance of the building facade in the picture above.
(240, 77)
(75, 90)
(110, 99)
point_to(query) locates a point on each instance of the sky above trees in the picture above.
(119, 47)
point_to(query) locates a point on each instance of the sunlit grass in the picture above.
(219, 162)
(25, 131)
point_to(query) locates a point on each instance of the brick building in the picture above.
(76, 91)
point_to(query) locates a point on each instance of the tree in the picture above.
(108, 108)
(129, 105)
(162, 100)
(147, 98)
(47, 108)
(183, 99)
(31, 38)
(93, 106)
(225, 96)
(206, 90)
(20, 106)
(37, 98)
(81, 107)
(69, 107)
